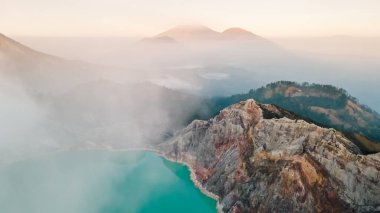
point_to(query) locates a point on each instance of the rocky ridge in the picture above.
(260, 158)
(326, 105)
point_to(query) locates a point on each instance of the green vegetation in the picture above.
(326, 105)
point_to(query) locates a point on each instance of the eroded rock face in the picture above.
(259, 163)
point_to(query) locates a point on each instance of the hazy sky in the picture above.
(143, 18)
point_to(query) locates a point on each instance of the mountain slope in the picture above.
(239, 33)
(324, 104)
(12, 49)
(190, 32)
(257, 163)
(43, 73)
(200, 32)
(14, 55)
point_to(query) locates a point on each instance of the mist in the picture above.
(196, 66)
(22, 123)
(130, 92)
(124, 93)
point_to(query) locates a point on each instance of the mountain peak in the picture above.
(236, 32)
(201, 32)
(190, 32)
(275, 163)
(324, 104)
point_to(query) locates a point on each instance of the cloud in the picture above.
(172, 82)
(214, 76)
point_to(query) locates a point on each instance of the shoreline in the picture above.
(189, 167)
(147, 149)
(194, 179)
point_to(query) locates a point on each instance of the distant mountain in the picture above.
(11, 49)
(239, 33)
(190, 32)
(14, 55)
(324, 104)
(197, 44)
(203, 33)
(43, 73)
(254, 157)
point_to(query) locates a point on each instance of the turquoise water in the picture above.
(100, 181)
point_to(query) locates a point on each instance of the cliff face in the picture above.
(325, 104)
(258, 158)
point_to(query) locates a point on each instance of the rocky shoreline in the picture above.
(248, 161)
(193, 179)
(189, 167)
(254, 162)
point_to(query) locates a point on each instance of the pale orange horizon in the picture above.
(272, 18)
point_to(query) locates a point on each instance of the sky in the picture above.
(274, 18)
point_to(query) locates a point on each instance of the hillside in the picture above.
(190, 32)
(324, 104)
(239, 33)
(43, 73)
(259, 158)
(200, 32)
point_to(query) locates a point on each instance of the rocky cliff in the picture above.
(260, 158)
(330, 106)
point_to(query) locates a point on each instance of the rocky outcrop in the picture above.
(327, 105)
(260, 158)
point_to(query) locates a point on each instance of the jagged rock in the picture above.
(260, 158)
